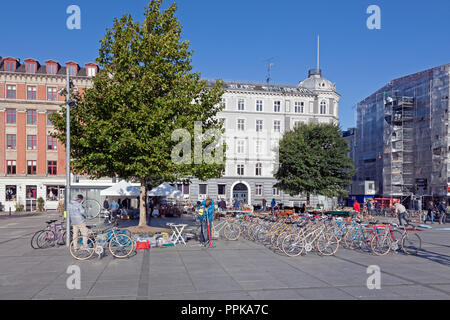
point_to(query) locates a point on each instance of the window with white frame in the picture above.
(323, 107)
(258, 189)
(91, 72)
(241, 125)
(241, 105)
(298, 107)
(259, 105)
(258, 169)
(275, 191)
(259, 125)
(240, 147)
(277, 126)
(240, 169)
(276, 106)
(258, 145)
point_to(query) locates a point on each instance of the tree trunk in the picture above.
(143, 205)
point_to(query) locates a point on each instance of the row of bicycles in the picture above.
(118, 242)
(297, 235)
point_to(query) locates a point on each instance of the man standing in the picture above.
(114, 208)
(77, 216)
(106, 203)
(272, 205)
(356, 206)
(222, 205)
(401, 210)
(206, 220)
(430, 215)
(264, 203)
(442, 211)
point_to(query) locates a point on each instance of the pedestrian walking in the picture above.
(430, 215)
(442, 211)
(401, 211)
(377, 208)
(77, 215)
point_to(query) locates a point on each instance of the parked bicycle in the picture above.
(53, 234)
(118, 242)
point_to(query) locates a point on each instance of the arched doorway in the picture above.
(240, 192)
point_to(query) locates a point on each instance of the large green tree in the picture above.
(144, 91)
(313, 160)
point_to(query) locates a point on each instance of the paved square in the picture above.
(231, 271)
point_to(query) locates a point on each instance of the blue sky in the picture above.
(232, 39)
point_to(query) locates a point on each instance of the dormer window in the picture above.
(91, 69)
(52, 67)
(31, 66)
(72, 68)
(10, 66)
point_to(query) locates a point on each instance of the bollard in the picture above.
(10, 211)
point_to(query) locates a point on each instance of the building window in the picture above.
(91, 72)
(11, 116)
(221, 189)
(51, 168)
(31, 142)
(259, 105)
(51, 93)
(51, 69)
(31, 92)
(323, 107)
(72, 70)
(277, 126)
(276, 106)
(11, 91)
(31, 116)
(52, 143)
(275, 191)
(240, 169)
(258, 189)
(31, 67)
(240, 146)
(258, 146)
(259, 125)
(202, 189)
(55, 193)
(11, 141)
(11, 192)
(241, 105)
(241, 125)
(49, 116)
(10, 66)
(298, 107)
(258, 171)
(31, 167)
(11, 166)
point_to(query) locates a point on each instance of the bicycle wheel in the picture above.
(92, 208)
(121, 246)
(78, 251)
(33, 241)
(351, 239)
(396, 240)
(327, 244)
(280, 239)
(232, 231)
(293, 245)
(411, 243)
(380, 245)
(62, 240)
(45, 239)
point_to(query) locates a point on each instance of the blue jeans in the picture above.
(204, 238)
(402, 216)
(430, 217)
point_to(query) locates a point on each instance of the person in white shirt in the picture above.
(401, 211)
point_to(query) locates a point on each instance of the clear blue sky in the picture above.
(231, 39)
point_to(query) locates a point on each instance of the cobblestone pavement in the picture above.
(231, 271)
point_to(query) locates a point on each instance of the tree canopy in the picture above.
(313, 160)
(144, 91)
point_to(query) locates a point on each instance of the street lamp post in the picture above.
(67, 193)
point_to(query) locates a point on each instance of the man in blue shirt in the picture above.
(113, 209)
(77, 216)
(206, 220)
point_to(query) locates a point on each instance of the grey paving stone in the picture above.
(324, 293)
(280, 294)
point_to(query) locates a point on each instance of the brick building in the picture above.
(32, 163)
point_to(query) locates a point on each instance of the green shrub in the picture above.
(19, 207)
(40, 203)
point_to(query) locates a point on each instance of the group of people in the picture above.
(427, 215)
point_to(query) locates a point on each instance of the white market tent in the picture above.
(165, 190)
(121, 188)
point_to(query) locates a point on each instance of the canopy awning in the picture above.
(121, 188)
(165, 190)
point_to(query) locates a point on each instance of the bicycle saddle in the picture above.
(50, 221)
